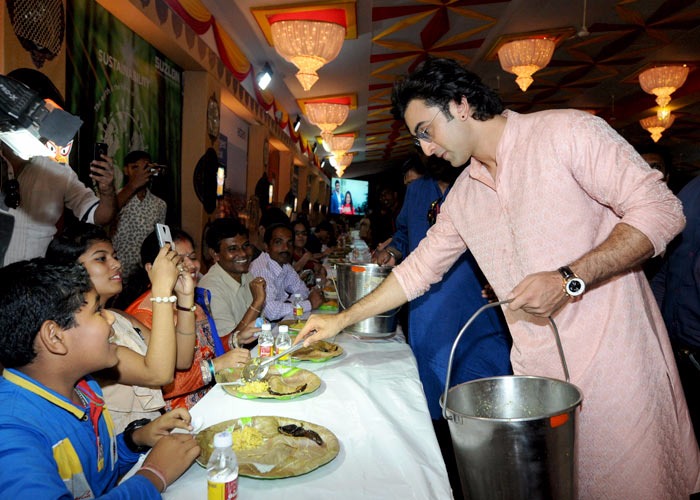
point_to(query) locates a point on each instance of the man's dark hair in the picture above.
(337, 182)
(270, 229)
(413, 163)
(220, 229)
(441, 81)
(67, 248)
(32, 292)
(135, 156)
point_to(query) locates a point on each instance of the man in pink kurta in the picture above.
(546, 208)
(543, 191)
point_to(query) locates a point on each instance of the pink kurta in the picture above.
(566, 179)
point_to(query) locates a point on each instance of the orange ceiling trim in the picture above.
(194, 13)
(333, 16)
(230, 54)
(348, 100)
(401, 25)
(264, 15)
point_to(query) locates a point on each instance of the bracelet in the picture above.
(233, 340)
(206, 372)
(156, 473)
(159, 300)
(254, 309)
(211, 369)
(392, 253)
(186, 309)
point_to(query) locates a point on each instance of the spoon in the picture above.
(257, 368)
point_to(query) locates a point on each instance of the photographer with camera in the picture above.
(139, 212)
(36, 189)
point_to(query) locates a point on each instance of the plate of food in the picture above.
(318, 352)
(330, 306)
(294, 325)
(273, 447)
(281, 382)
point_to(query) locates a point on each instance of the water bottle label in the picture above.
(265, 350)
(222, 491)
(298, 311)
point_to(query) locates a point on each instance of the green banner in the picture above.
(128, 95)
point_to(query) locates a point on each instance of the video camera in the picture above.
(27, 120)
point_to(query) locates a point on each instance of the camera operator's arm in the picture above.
(102, 173)
(139, 176)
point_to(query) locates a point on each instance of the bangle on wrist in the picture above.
(212, 371)
(206, 372)
(164, 300)
(233, 340)
(192, 308)
(156, 473)
(392, 253)
(254, 309)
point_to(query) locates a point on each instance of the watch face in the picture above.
(575, 287)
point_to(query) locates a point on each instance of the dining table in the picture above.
(372, 399)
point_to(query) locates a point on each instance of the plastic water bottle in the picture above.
(266, 341)
(222, 469)
(282, 343)
(297, 309)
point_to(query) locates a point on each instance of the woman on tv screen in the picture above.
(347, 207)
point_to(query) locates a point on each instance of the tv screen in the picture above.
(349, 196)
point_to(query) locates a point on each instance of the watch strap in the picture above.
(129, 438)
(566, 273)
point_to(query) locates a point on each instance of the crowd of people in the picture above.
(121, 336)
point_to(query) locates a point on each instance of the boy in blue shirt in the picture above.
(56, 436)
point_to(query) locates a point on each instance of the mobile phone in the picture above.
(100, 149)
(163, 234)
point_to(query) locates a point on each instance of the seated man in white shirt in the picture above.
(237, 297)
(274, 265)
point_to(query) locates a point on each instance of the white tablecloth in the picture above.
(372, 400)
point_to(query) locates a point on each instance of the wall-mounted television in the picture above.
(348, 196)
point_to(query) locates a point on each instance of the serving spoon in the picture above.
(257, 368)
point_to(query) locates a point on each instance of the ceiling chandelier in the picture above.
(326, 115)
(663, 81)
(655, 125)
(340, 163)
(524, 57)
(307, 44)
(338, 144)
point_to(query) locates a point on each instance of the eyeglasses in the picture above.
(433, 211)
(11, 191)
(422, 134)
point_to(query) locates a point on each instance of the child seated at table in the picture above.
(57, 437)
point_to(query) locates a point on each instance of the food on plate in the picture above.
(246, 438)
(279, 454)
(318, 351)
(299, 431)
(254, 387)
(280, 382)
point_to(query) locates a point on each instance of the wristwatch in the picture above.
(573, 285)
(128, 435)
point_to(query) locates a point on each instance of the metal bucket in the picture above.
(513, 436)
(354, 281)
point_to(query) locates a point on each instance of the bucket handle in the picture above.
(340, 301)
(464, 328)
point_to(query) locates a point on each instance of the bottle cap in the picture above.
(223, 440)
(266, 326)
(284, 329)
(297, 295)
